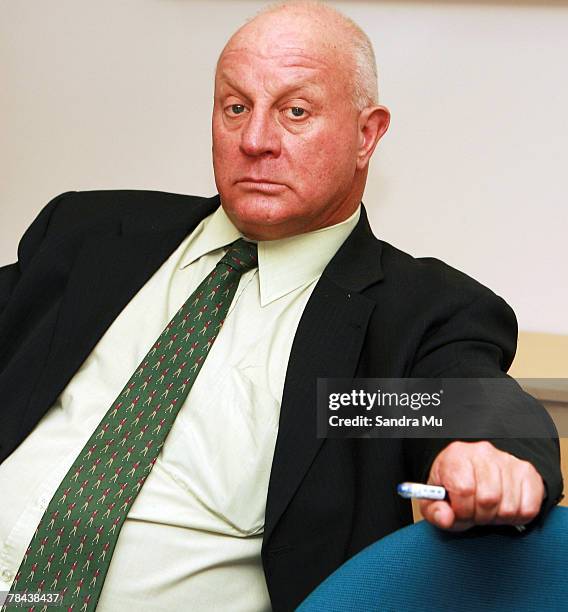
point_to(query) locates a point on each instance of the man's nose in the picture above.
(260, 135)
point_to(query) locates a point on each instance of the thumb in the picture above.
(439, 513)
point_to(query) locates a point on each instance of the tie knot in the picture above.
(241, 255)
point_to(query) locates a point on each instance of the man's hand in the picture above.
(485, 486)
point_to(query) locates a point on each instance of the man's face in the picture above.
(285, 135)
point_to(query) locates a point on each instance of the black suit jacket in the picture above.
(375, 312)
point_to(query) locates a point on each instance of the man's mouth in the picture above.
(260, 184)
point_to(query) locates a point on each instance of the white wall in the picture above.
(117, 94)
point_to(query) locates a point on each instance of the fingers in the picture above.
(488, 492)
(458, 474)
(485, 486)
(510, 502)
(454, 471)
(531, 494)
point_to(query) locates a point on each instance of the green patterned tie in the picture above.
(72, 547)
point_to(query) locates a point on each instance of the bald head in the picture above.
(295, 121)
(300, 25)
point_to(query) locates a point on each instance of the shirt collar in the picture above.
(214, 232)
(283, 265)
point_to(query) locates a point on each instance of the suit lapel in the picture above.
(327, 344)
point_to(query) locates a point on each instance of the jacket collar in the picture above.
(357, 264)
(171, 219)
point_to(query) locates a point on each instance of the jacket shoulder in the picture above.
(441, 316)
(85, 209)
(422, 277)
(71, 217)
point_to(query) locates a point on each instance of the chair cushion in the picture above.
(423, 568)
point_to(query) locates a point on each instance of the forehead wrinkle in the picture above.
(299, 71)
(287, 56)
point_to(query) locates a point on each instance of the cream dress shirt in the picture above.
(193, 536)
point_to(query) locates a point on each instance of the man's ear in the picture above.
(373, 123)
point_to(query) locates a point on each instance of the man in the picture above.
(244, 508)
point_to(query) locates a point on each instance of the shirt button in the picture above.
(7, 574)
(43, 502)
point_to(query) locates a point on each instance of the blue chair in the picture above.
(421, 568)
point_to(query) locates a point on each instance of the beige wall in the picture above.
(541, 356)
(112, 94)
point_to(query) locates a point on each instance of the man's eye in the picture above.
(237, 109)
(296, 112)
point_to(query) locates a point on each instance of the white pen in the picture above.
(418, 490)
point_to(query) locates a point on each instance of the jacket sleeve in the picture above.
(480, 341)
(27, 248)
